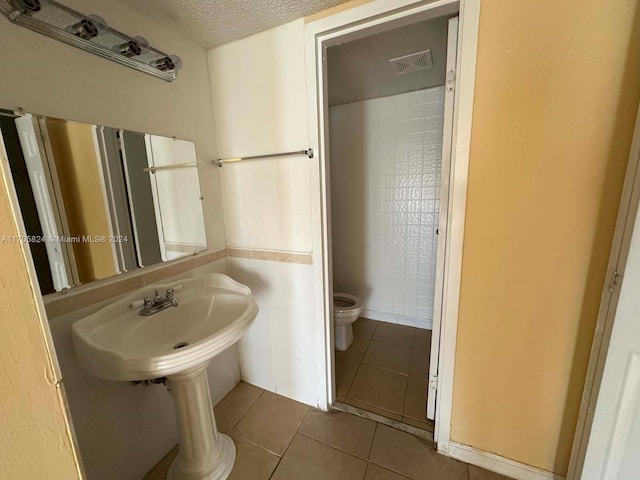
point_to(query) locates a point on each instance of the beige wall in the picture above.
(556, 97)
(50, 78)
(34, 433)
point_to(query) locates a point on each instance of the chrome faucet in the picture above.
(158, 303)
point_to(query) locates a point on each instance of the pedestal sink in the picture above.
(116, 343)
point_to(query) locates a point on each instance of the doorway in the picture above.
(353, 26)
(390, 119)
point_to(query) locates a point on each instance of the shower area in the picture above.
(387, 103)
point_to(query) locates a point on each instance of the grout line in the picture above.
(258, 446)
(373, 439)
(391, 343)
(385, 369)
(386, 467)
(334, 447)
(246, 411)
(275, 468)
(354, 377)
(406, 389)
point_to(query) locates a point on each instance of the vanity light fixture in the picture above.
(92, 34)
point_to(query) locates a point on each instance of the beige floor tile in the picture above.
(345, 373)
(422, 339)
(271, 422)
(477, 473)
(355, 352)
(374, 472)
(252, 463)
(415, 458)
(415, 402)
(307, 459)
(388, 357)
(364, 328)
(159, 472)
(420, 362)
(379, 388)
(372, 409)
(340, 430)
(396, 334)
(231, 408)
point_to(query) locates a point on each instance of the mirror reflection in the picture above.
(99, 201)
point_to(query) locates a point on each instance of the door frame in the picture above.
(444, 214)
(350, 24)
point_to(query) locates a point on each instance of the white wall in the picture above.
(278, 352)
(385, 179)
(259, 98)
(123, 431)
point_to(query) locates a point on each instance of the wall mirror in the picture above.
(99, 201)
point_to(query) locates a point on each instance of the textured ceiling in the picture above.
(215, 22)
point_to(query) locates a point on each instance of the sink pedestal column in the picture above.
(205, 454)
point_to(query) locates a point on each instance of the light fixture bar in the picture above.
(38, 22)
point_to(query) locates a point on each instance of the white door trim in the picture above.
(498, 464)
(443, 220)
(318, 35)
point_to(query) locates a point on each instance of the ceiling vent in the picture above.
(414, 62)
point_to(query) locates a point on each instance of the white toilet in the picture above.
(346, 310)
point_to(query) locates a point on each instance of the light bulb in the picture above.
(167, 64)
(133, 47)
(27, 6)
(89, 27)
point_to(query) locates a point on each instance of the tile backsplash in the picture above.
(385, 183)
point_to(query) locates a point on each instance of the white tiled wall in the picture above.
(385, 178)
(278, 352)
(267, 204)
(259, 97)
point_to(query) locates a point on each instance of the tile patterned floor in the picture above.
(278, 438)
(385, 371)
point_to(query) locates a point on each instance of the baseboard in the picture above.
(398, 319)
(498, 464)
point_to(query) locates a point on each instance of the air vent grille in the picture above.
(414, 62)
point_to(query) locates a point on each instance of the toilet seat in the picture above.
(345, 304)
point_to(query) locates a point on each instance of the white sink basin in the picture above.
(117, 343)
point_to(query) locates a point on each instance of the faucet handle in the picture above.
(170, 292)
(148, 304)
